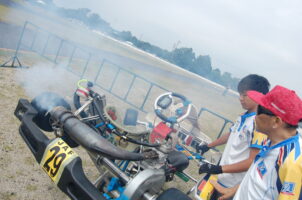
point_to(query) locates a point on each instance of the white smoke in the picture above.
(43, 77)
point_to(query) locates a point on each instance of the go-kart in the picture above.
(182, 117)
(162, 149)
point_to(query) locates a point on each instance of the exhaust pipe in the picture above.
(88, 138)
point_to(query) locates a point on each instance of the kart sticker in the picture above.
(204, 189)
(56, 156)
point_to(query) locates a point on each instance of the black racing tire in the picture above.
(173, 194)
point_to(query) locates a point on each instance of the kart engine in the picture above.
(144, 177)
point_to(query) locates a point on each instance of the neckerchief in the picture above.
(264, 151)
(244, 117)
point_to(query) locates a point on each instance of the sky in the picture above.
(241, 37)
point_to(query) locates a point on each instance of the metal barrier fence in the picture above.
(226, 121)
(82, 62)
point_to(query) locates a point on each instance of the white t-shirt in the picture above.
(237, 149)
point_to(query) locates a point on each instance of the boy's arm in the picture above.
(205, 147)
(290, 174)
(220, 141)
(257, 141)
(243, 165)
(233, 168)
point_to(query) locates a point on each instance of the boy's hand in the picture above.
(209, 168)
(202, 148)
(226, 193)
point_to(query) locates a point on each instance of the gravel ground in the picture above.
(21, 176)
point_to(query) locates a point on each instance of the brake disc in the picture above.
(149, 180)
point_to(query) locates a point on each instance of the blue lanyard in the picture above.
(266, 149)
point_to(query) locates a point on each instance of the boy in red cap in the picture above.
(277, 170)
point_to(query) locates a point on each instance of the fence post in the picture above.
(46, 44)
(85, 68)
(59, 49)
(149, 90)
(71, 56)
(34, 40)
(114, 79)
(226, 121)
(130, 86)
(15, 57)
(99, 70)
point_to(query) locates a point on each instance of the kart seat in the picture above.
(173, 194)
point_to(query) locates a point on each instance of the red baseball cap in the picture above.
(281, 101)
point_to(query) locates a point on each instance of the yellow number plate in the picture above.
(56, 156)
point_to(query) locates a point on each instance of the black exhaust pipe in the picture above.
(88, 138)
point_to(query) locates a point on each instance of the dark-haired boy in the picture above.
(242, 142)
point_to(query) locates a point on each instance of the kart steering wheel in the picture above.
(165, 100)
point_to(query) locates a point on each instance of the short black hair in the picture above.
(290, 126)
(253, 82)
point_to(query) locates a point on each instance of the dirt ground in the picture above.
(21, 176)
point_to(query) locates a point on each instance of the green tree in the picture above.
(144, 46)
(234, 83)
(126, 36)
(202, 65)
(226, 79)
(82, 14)
(183, 57)
(94, 21)
(215, 76)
